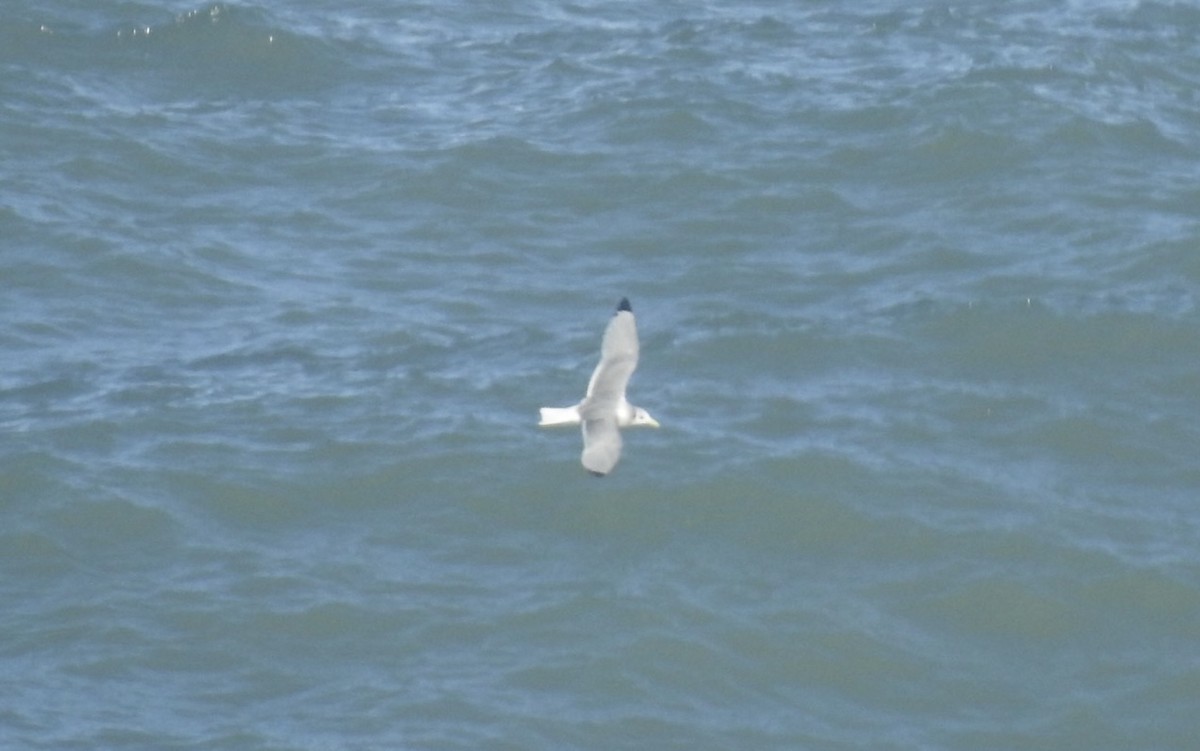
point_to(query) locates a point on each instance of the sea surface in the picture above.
(283, 285)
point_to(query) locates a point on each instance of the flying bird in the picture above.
(604, 409)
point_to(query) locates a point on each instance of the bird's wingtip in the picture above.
(624, 305)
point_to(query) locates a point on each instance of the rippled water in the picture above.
(285, 284)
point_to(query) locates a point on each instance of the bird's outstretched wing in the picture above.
(601, 445)
(618, 359)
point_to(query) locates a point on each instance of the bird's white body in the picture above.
(626, 414)
(604, 409)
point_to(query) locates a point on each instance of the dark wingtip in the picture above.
(594, 473)
(624, 305)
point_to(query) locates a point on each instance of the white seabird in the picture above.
(604, 409)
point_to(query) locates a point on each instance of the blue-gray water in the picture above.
(284, 284)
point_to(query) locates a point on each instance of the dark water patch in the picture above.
(214, 52)
(230, 52)
(34, 555)
(109, 530)
(1098, 136)
(1028, 337)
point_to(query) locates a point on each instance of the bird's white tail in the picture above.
(551, 416)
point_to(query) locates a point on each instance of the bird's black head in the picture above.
(624, 305)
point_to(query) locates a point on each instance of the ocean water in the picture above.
(284, 284)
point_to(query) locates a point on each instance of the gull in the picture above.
(604, 409)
